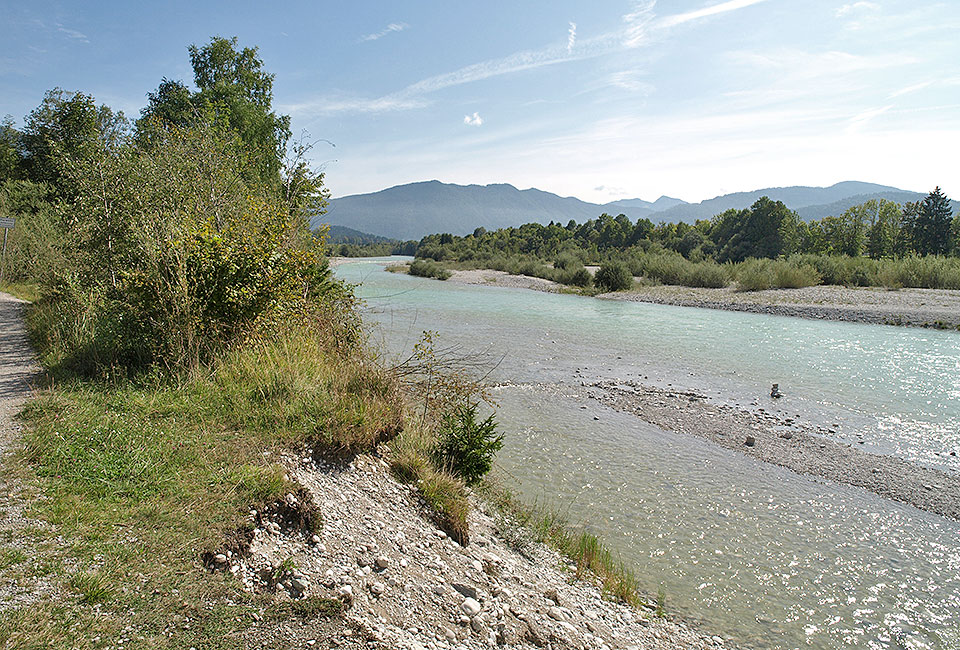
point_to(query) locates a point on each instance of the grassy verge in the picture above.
(141, 477)
(23, 290)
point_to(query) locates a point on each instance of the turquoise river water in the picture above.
(755, 553)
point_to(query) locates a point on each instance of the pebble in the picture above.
(470, 607)
(382, 562)
(377, 588)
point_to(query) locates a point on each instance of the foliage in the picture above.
(427, 269)
(466, 446)
(234, 95)
(756, 275)
(930, 226)
(613, 276)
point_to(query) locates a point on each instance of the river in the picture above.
(760, 555)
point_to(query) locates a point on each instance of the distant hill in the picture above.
(344, 235)
(795, 198)
(663, 203)
(417, 209)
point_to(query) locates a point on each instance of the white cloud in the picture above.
(392, 27)
(473, 120)
(74, 34)
(571, 37)
(723, 7)
(854, 6)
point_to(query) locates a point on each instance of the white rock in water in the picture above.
(470, 607)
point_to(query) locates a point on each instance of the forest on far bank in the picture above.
(877, 243)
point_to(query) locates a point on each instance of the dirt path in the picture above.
(18, 370)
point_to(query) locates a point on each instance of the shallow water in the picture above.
(767, 557)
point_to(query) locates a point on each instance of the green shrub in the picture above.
(760, 274)
(578, 278)
(614, 276)
(465, 446)
(428, 269)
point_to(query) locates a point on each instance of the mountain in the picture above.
(796, 198)
(663, 203)
(417, 209)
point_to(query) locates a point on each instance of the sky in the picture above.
(602, 100)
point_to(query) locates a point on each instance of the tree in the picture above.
(67, 125)
(885, 228)
(931, 225)
(235, 94)
(9, 150)
(765, 229)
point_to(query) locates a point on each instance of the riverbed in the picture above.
(762, 555)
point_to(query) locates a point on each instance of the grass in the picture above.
(23, 290)
(144, 476)
(412, 462)
(521, 524)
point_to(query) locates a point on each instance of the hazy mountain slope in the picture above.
(417, 209)
(837, 208)
(796, 198)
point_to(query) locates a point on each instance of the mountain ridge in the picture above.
(412, 210)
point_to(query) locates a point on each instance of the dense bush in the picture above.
(467, 447)
(614, 276)
(760, 274)
(428, 269)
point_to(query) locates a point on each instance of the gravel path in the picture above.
(17, 371)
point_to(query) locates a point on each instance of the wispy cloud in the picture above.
(330, 106)
(910, 89)
(855, 6)
(640, 23)
(473, 120)
(74, 34)
(723, 7)
(389, 29)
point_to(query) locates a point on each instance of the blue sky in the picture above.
(602, 100)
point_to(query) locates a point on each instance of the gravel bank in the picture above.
(912, 307)
(407, 585)
(504, 279)
(784, 441)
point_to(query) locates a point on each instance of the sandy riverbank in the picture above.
(780, 440)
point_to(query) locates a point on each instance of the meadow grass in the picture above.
(142, 476)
